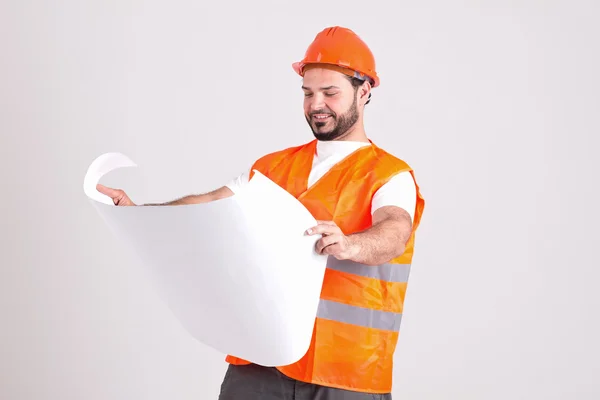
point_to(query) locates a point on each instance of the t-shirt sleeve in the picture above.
(399, 191)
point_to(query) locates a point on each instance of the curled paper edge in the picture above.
(98, 168)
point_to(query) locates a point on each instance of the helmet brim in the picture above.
(297, 66)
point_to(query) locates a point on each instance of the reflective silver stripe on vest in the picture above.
(385, 272)
(359, 315)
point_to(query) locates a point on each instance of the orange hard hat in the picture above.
(342, 48)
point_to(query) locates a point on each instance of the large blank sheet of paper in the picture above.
(238, 273)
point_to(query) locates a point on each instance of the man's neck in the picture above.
(355, 134)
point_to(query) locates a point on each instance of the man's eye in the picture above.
(307, 94)
(330, 94)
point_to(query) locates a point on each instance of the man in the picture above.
(368, 206)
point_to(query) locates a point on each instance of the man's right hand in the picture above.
(118, 196)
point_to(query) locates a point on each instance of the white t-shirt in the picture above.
(399, 191)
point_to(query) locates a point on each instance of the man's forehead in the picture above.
(321, 77)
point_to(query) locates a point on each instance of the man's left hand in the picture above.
(333, 242)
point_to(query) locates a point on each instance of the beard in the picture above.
(340, 124)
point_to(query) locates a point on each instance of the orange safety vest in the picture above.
(360, 309)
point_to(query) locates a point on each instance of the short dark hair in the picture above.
(356, 83)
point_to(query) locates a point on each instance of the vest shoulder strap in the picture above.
(271, 161)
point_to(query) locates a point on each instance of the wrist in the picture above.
(354, 246)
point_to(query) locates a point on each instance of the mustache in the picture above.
(313, 113)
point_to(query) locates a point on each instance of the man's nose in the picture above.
(317, 102)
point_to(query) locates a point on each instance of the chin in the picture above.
(321, 132)
(323, 136)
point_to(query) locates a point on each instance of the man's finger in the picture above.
(326, 241)
(332, 250)
(108, 191)
(323, 229)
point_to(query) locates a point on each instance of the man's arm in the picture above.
(218, 194)
(383, 241)
(120, 198)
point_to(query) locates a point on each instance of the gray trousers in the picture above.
(254, 382)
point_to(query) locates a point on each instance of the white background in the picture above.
(494, 103)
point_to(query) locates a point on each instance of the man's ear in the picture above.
(364, 93)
